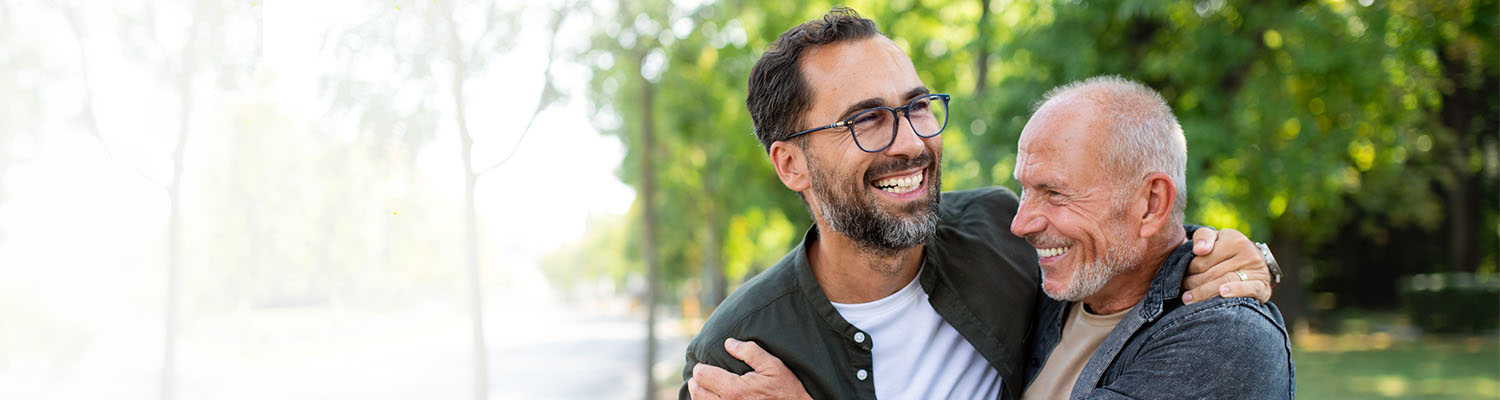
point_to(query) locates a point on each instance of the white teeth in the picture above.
(1051, 252)
(900, 185)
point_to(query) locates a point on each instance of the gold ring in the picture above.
(1242, 275)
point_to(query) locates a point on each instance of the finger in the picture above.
(1231, 245)
(1203, 240)
(1203, 270)
(1216, 255)
(1259, 290)
(1206, 290)
(1236, 238)
(714, 379)
(1225, 244)
(697, 392)
(751, 353)
(1216, 287)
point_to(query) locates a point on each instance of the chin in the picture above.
(1054, 289)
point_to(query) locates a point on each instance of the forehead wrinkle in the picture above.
(831, 75)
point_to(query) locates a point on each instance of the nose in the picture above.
(907, 144)
(1027, 220)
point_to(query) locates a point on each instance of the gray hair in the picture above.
(1144, 136)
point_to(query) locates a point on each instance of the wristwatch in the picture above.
(1270, 263)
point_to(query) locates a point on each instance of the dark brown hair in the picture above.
(778, 93)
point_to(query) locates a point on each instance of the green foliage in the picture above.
(1297, 113)
(717, 194)
(1311, 119)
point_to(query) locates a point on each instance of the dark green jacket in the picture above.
(979, 277)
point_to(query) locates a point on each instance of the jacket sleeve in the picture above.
(1230, 349)
(687, 371)
(708, 349)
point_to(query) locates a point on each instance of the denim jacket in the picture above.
(1220, 348)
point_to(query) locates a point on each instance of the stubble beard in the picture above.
(848, 208)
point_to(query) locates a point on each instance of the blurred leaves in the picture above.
(1304, 118)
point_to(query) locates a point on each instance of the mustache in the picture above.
(921, 161)
(1042, 240)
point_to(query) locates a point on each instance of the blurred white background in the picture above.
(267, 199)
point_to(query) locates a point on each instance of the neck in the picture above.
(850, 274)
(1129, 287)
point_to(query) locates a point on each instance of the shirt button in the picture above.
(862, 374)
(859, 337)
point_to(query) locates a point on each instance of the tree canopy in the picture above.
(1314, 125)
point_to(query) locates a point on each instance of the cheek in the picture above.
(936, 144)
(1073, 225)
(1095, 233)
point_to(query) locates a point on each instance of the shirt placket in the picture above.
(862, 361)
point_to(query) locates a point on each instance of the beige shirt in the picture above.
(1081, 335)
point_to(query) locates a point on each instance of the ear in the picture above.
(791, 166)
(1161, 196)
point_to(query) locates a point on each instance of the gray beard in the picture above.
(874, 229)
(1092, 276)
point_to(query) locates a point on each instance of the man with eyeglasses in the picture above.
(897, 291)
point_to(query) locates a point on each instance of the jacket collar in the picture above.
(1167, 285)
(1164, 290)
(812, 292)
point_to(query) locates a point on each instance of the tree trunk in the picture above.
(982, 54)
(1464, 106)
(648, 225)
(1291, 295)
(174, 248)
(169, 340)
(986, 159)
(471, 220)
(1463, 219)
(714, 281)
(476, 289)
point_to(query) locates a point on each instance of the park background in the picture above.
(483, 199)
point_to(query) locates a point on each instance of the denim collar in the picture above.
(1167, 285)
(1164, 290)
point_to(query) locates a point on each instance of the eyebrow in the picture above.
(877, 102)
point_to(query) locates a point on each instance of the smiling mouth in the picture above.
(900, 184)
(1052, 251)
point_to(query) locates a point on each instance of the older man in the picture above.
(897, 291)
(1101, 165)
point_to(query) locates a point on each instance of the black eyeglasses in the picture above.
(875, 129)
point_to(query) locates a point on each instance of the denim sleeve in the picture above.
(1220, 349)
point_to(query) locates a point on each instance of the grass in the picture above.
(1380, 356)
